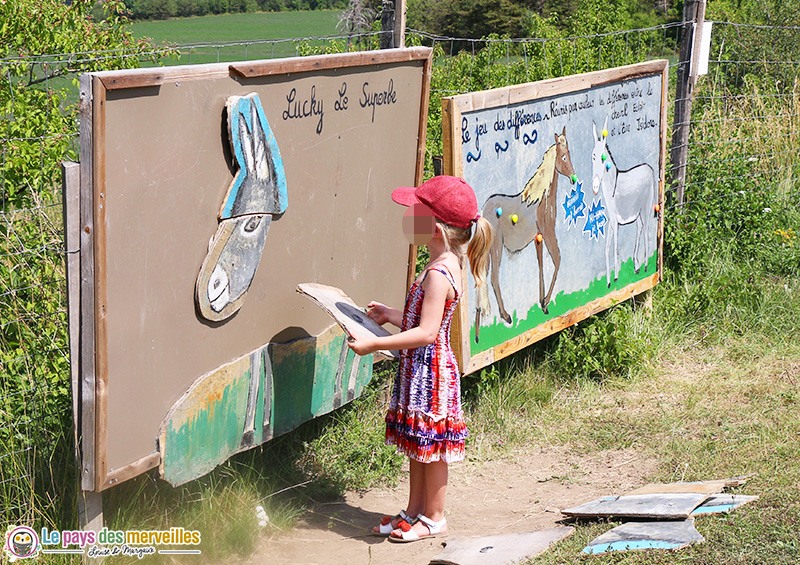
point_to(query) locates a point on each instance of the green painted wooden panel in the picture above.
(224, 412)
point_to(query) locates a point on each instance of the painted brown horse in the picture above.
(524, 217)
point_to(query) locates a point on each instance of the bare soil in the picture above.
(515, 494)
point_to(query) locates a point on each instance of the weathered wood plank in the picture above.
(666, 506)
(128, 80)
(87, 337)
(722, 503)
(252, 69)
(483, 99)
(646, 535)
(116, 476)
(99, 241)
(508, 548)
(71, 179)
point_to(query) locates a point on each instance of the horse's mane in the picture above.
(539, 184)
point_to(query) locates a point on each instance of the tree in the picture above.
(470, 18)
(355, 19)
(38, 117)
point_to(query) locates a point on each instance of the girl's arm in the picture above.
(436, 287)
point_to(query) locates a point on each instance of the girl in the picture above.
(425, 420)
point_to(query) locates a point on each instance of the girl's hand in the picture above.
(378, 312)
(362, 345)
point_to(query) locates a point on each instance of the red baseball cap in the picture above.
(450, 199)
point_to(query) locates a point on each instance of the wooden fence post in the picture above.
(90, 504)
(393, 24)
(693, 17)
(400, 23)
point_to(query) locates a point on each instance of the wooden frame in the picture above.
(457, 112)
(95, 90)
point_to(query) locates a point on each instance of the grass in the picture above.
(714, 411)
(272, 29)
(707, 403)
(315, 463)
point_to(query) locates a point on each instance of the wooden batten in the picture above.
(116, 476)
(71, 180)
(516, 94)
(124, 79)
(253, 69)
(663, 171)
(86, 357)
(459, 331)
(101, 334)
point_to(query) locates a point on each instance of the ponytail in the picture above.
(478, 251)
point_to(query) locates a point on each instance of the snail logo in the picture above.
(21, 543)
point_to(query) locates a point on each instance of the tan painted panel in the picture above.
(167, 169)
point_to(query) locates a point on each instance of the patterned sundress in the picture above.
(425, 420)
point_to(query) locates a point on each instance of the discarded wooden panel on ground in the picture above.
(646, 535)
(670, 506)
(708, 487)
(350, 317)
(722, 503)
(509, 548)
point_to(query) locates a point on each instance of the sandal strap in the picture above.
(399, 516)
(407, 524)
(433, 527)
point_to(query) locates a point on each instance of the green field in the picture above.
(229, 37)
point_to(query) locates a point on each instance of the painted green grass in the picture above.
(274, 29)
(499, 332)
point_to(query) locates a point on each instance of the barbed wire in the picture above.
(556, 54)
(42, 353)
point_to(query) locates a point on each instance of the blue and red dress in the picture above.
(425, 418)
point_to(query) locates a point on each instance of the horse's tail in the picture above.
(483, 299)
(482, 309)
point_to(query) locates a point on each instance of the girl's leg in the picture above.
(416, 492)
(435, 490)
(417, 488)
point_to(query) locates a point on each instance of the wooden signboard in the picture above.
(208, 193)
(570, 174)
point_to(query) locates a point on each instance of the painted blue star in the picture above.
(596, 220)
(574, 205)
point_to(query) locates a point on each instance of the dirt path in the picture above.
(488, 498)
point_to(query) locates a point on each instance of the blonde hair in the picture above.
(477, 245)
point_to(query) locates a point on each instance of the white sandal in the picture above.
(408, 534)
(385, 527)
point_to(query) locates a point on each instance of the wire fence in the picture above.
(745, 139)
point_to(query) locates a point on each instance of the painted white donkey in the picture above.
(628, 196)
